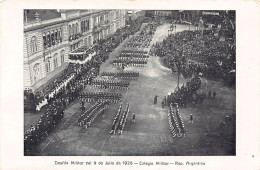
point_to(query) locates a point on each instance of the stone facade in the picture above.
(47, 43)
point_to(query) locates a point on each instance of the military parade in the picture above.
(113, 87)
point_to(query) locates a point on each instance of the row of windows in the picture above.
(55, 61)
(185, 16)
(85, 26)
(36, 74)
(106, 17)
(52, 38)
(73, 29)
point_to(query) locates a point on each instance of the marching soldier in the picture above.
(191, 118)
(155, 99)
(133, 118)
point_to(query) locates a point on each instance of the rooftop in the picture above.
(43, 14)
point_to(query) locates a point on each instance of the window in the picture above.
(48, 39)
(70, 30)
(55, 60)
(82, 23)
(52, 38)
(62, 53)
(48, 66)
(89, 41)
(76, 28)
(44, 40)
(87, 25)
(73, 29)
(36, 72)
(56, 35)
(34, 44)
(60, 34)
(86, 41)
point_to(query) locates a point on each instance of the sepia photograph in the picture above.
(128, 82)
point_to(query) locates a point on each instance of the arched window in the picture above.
(52, 38)
(86, 41)
(73, 29)
(44, 39)
(48, 39)
(34, 44)
(48, 65)
(70, 30)
(89, 41)
(76, 28)
(62, 54)
(36, 72)
(60, 34)
(55, 60)
(87, 25)
(56, 35)
(82, 26)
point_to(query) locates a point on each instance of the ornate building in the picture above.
(50, 35)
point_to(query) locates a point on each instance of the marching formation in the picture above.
(132, 58)
(88, 117)
(111, 84)
(176, 124)
(121, 75)
(134, 54)
(100, 96)
(120, 120)
(143, 40)
(130, 62)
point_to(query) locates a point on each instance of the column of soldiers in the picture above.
(100, 96)
(120, 120)
(123, 120)
(140, 62)
(121, 75)
(135, 52)
(87, 117)
(176, 124)
(111, 84)
(116, 120)
(140, 41)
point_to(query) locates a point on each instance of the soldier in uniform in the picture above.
(214, 95)
(209, 94)
(155, 99)
(191, 118)
(133, 118)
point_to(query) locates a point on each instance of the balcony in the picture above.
(105, 23)
(75, 38)
(97, 28)
(52, 44)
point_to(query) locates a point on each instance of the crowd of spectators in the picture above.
(194, 53)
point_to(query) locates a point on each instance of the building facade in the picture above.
(50, 35)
